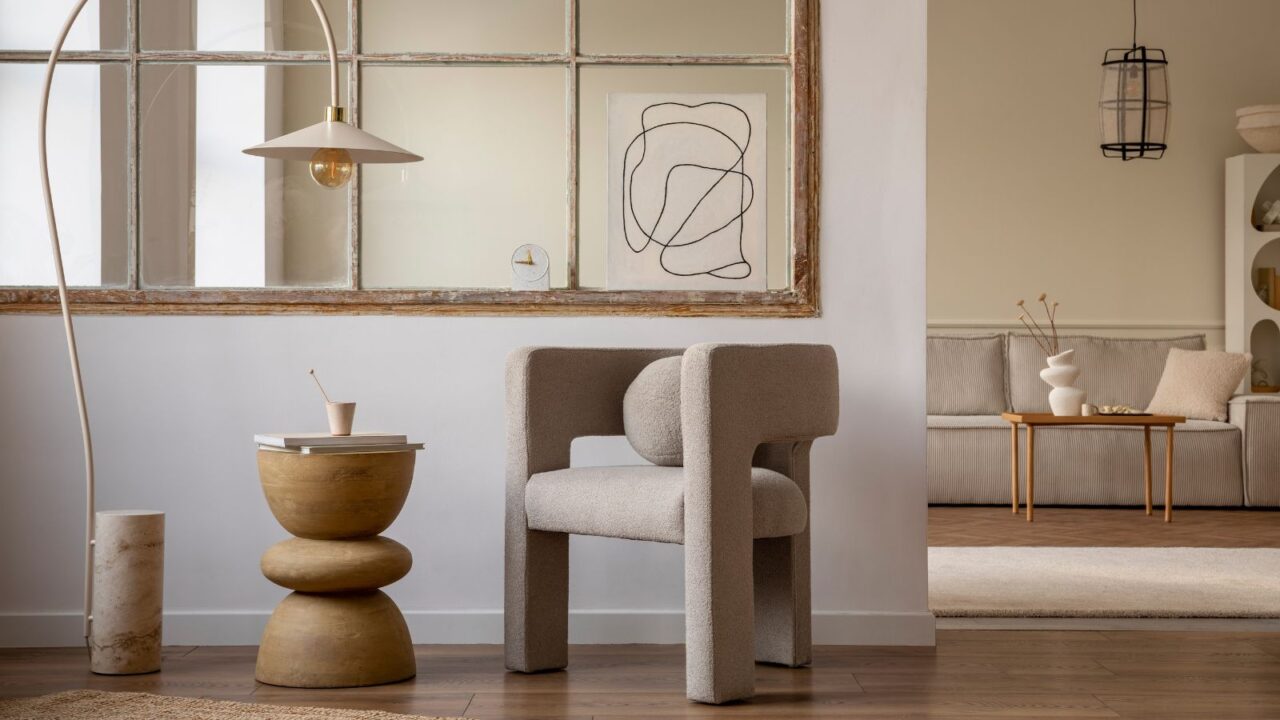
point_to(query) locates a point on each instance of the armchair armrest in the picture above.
(556, 394)
(1258, 417)
(752, 394)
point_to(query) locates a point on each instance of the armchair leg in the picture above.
(783, 609)
(537, 600)
(719, 664)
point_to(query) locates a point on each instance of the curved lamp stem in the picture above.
(66, 317)
(333, 53)
(62, 281)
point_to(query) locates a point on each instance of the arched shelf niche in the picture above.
(1268, 194)
(1264, 340)
(1265, 267)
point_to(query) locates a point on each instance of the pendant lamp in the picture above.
(1134, 108)
(332, 147)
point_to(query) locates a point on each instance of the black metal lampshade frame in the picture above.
(1144, 147)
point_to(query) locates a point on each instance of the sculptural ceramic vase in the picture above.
(1064, 398)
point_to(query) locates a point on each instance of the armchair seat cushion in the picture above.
(647, 503)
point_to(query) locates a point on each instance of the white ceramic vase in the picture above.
(1064, 398)
(1259, 125)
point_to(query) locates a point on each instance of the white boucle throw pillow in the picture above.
(651, 413)
(1198, 383)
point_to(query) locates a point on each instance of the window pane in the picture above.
(245, 25)
(215, 217)
(26, 25)
(87, 169)
(474, 26)
(682, 27)
(494, 177)
(595, 84)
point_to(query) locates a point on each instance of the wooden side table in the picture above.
(1034, 420)
(336, 629)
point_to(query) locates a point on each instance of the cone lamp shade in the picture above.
(332, 147)
(361, 146)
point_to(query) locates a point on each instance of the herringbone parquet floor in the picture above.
(1103, 527)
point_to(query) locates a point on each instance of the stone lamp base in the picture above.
(128, 592)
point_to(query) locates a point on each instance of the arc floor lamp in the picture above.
(124, 550)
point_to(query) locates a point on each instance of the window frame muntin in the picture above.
(798, 300)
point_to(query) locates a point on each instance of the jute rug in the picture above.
(96, 705)
(1104, 582)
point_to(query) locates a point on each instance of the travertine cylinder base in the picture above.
(128, 592)
(335, 640)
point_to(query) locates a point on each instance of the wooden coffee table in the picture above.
(1034, 420)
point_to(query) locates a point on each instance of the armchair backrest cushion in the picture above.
(966, 375)
(651, 413)
(1113, 371)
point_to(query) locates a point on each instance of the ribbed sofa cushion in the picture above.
(965, 374)
(1113, 371)
(968, 463)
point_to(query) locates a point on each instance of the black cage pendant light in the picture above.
(1135, 100)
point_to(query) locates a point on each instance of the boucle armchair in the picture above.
(739, 504)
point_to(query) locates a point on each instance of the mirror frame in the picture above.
(801, 299)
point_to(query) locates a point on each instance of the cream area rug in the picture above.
(1104, 582)
(95, 705)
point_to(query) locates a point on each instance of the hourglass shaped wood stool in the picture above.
(336, 629)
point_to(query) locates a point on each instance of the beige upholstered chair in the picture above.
(739, 504)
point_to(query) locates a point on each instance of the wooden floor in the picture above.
(971, 674)
(1101, 527)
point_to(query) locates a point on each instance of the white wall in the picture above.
(175, 401)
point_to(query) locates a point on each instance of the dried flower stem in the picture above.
(1053, 327)
(1034, 336)
(1048, 341)
(1043, 334)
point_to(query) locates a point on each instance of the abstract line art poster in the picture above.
(686, 192)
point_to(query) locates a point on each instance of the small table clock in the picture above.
(530, 268)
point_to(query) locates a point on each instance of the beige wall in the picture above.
(1020, 199)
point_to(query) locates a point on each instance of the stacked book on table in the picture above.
(323, 443)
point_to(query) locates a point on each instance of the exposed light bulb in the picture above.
(331, 167)
(1133, 82)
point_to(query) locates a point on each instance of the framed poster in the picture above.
(686, 192)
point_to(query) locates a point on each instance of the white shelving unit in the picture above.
(1252, 325)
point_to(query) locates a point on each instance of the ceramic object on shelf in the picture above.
(1065, 399)
(1259, 125)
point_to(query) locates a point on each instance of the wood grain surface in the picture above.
(971, 674)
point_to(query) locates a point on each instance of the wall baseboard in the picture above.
(478, 626)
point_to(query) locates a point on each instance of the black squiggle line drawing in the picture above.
(737, 270)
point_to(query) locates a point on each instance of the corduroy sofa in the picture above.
(972, 379)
